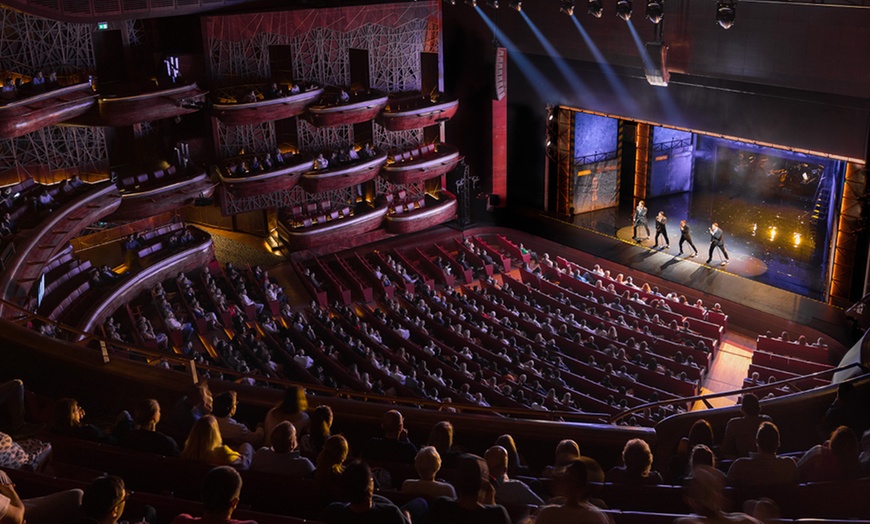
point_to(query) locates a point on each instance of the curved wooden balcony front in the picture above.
(364, 219)
(345, 175)
(279, 178)
(24, 115)
(421, 164)
(360, 108)
(155, 198)
(144, 106)
(416, 113)
(187, 258)
(436, 211)
(249, 113)
(35, 247)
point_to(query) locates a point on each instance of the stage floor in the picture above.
(772, 242)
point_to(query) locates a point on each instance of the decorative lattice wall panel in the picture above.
(253, 139)
(29, 44)
(57, 148)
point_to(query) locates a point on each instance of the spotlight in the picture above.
(725, 13)
(472, 3)
(655, 11)
(596, 9)
(451, 2)
(492, 3)
(623, 9)
(567, 7)
(516, 5)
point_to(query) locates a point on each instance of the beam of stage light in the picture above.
(543, 87)
(609, 73)
(577, 85)
(664, 97)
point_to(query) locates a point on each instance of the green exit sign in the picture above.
(102, 26)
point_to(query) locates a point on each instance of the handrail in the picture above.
(704, 398)
(86, 340)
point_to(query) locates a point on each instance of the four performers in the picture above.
(717, 236)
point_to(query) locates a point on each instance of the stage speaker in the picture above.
(656, 68)
(500, 69)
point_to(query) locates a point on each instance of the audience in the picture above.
(292, 409)
(475, 498)
(704, 495)
(319, 430)
(232, 431)
(363, 506)
(764, 468)
(507, 491)
(740, 432)
(427, 463)
(282, 457)
(69, 421)
(836, 459)
(394, 446)
(221, 490)
(441, 438)
(637, 469)
(144, 435)
(330, 464)
(205, 444)
(104, 501)
(576, 483)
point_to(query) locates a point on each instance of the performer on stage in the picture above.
(717, 239)
(661, 230)
(686, 236)
(639, 219)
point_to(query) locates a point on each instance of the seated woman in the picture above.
(292, 409)
(427, 463)
(206, 445)
(637, 470)
(311, 444)
(68, 420)
(330, 465)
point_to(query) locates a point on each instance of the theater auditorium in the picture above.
(430, 261)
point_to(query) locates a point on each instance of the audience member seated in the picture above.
(233, 432)
(836, 459)
(441, 438)
(189, 409)
(282, 457)
(567, 451)
(701, 433)
(68, 420)
(475, 502)
(739, 439)
(576, 484)
(848, 409)
(330, 465)
(637, 469)
(705, 495)
(144, 435)
(292, 409)
(394, 446)
(363, 506)
(12, 408)
(30, 454)
(516, 465)
(427, 464)
(507, 490)
(205, 444)
(104, 501)
(763, 468)
(47, 509)
(319, 430)
(221, 490)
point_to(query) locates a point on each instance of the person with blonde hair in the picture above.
(292, 408)
(206, 445)
(330, 464)
(427, 463)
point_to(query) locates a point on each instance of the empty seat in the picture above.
(321, 219)
(296, 211)
(402, 194)
(311, 208)
(345, 211)
(333, 215)
(326, 204)
(390, 197)
(170, 170)
(141, 179)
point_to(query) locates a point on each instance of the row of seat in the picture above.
(133, 182)
(415, 154)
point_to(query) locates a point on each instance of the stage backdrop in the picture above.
(671, 159)
(596, 162)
